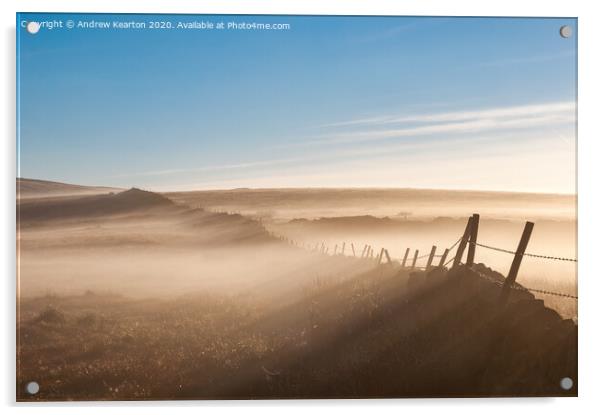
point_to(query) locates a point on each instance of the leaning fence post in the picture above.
(405, 257)
(388, 257)
(352, 249)
(431, 256)
(472, 246)
(380, 256)
(462, 244)
(443, 257)
(343, 249)
(518, 257)
(415, 259)
(364, 250)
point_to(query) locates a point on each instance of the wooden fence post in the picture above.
(443, 257)
(415, 259)
(364, 250)
(472, 246)
(431, 256)
(518, 257)
(380, 256)
(352, 249)
(336, 247)
(343, 249)
(405, 257)
(388, 258)
(463, 243)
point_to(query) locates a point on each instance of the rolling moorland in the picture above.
(138, 295)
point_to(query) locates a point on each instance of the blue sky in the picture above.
(458, 103)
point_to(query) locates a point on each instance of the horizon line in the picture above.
(312, 188)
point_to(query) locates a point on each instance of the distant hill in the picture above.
(93, 205)
(28, 188)
(150, 213)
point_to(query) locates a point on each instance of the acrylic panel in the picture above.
(275, 207)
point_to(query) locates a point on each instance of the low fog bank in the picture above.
(143, 244)
(270, 270)
(287, 204)
(140, 244)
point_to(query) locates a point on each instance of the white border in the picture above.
(590, 157)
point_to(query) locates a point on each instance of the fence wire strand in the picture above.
(455, 243)
(507, 251)
(518, 287)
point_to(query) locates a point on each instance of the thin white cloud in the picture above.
(501, 112)
(217, 167)
(503, 118)
(332, 155)
(488, 128)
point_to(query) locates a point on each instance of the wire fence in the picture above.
(449, 261)
(368, 253)
(519, 287)
(507, 251)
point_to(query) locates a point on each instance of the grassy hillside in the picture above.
(384, 333)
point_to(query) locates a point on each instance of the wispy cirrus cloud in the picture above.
(215, 167)
(499, 112)
(536, 122)
(454, 122)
